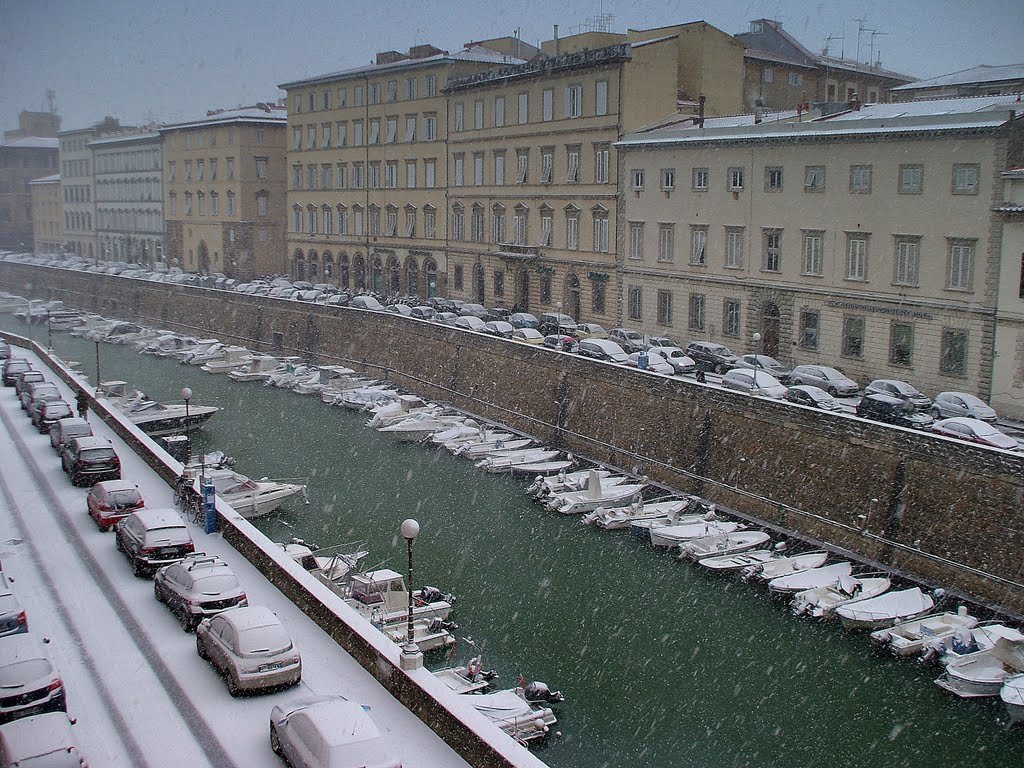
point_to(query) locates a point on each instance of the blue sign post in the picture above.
(210, 505)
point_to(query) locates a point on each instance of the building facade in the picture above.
(1008, 366)
(224, 192)
(866, 240)
(27, 153)
(983, 80)
(128, 190)
(47, 215)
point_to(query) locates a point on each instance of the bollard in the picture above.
(210, 506)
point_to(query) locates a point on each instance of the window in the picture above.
(391, 174)
(430, 173)
(260, 199)
(429, 222)
(664, 307)
(499, 111)
(311, 214)
(600, 231)
(548, 102)
(392, 90)
(430, 85)
(374, 220)
(457, 277)
(735, 179)
(410, 128)
(860, 179)
(796, 79)
(572, 229)
(668, 179)
(814, 178)
(699, 245)
(357, 221)
(341, 177)
(391, 221)
(499, 282)
(170, 171)
(601, 97)
(312, 102)
(772, 256)
(373, 175)
(410, 174)
(327, 216)
(410, 88)
(523, 165)
(960, 265)
(297, 219)
(476, 224)
(374, 131)
(520, 221)
(911, 179)
(700, 179)
(524, 108)
(297, 137)
(856, 256)
(637, 175)
(373, 93)
(965, 179)
(768, 75)
(547, 223)
(813, 263)
(547, 164)
(773, 179)
(573, 173)
(459, 117)
(358, 176)
(853, 336)
(635, 304)
(311, 137)
(574, 100)
(326, 176)
(597, 297)
(392, 136)
(342, 220)
(459, 171)
(953, 357)
(188, 203)
(214, 204)
(734, 247)
(636, 240)
(478, 114)
(499, 168)
(600, 163)
(310, 177)
(188, 170)
(696, 312)
(213, 169)
(809, 319)
(174, 211)
(498, 234)
(907, 255)
(357, 133)
(731, 318)
(901, 344)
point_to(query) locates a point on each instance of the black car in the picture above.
(552, 322)
(893, 410)
(716, 358)
(153, 538)
(46, 413)
(88, 460)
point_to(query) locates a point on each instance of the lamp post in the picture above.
(558, 317)
(49, 333)
(98, 364)
(186, 395)
(757, 355)
(411, 658)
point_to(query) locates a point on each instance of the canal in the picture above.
(662, 664)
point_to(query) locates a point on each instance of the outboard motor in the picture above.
(963, 642)
(436, 625)
(430, 594)
(539, 693)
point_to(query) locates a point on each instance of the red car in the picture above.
(111, 500)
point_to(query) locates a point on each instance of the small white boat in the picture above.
(419, 426)
(487, 442)
(736, 561)
(674, 535)
(1012, 695)
(468, 679)
(428, 634)
(784, 566)
(398, 410)
(821, 602)
(466, 430)
(510, 712)
(509, 460)
(886, 609)
(696, 510)
(292, 374)
(615, 518)
(201, 348)
(364, 398)
(234, 357)
(809, 578)
(910, 637)
(90, 324)
(253, 498)
(383, 598)
(151, 416)
(964, 642)
(596, 495)
(983, 673)
(257, 369)
(169, 345)
(722, 544)
(572, 481)
(324, 377)
(209, 354)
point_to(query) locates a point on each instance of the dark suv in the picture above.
(709, 356)
(197, 587)
(153, 538)
(552, 322)
(892, 410)
(13, 366)
(90, 459)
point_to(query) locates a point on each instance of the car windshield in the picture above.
(21, 672)
(215, 584)
(718, 349)
(125, 498)
(903, 388)
(269, 639)
(97, 454)
(971, 401)
(831, 374)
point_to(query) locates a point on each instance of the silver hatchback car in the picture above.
(251, 648)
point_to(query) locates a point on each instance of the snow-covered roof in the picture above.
(258, 113)
(661, 39)
(46, 179)
(957, 106)
(32, 142)
(121, 138)
(476, 53)
(983, 73)
(778, 58)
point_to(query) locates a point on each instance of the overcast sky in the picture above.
(177, 58)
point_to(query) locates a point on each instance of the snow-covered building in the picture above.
(983, 80)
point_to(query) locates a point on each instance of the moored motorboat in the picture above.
(572, 481)
(722, 544)
(821, 602)
(910, 637)
(398, 410)
(258, 368)
(696, 510)
(508, 460)
(234, 357)
(614, 518)
(544, 467)
(253, 498)
(514, 715)
(886, 609)
(382, 597)
(809, 578)
(363, 398)
(784, 566)
(674, 535)
(594, 496)
(419, 426)
(477, 449)
(151, 416)
(963, 642)
(201, 348)
(471, 678)
(983, 673)
(736, 561)
(1012, 696)
(204, 354)
(428, 634)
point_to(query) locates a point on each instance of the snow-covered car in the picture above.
(523, 320)
(832, 381)
(65, 429)
(602, 349)
(251, 648)
(754, 383)
(110, 501)
(560, 341)
(445, 318)
(654, 362)
(591, 331)
(812, 397)
(948, 405)
(679, 360)
(153, 538)
(499, 328)
(659, 342)
(12, 366)
(29, 681)
(423, 312)
(90, 459)
(198, 587)
(47, 413)
(399, 309)
(40, 741)
(473, 310)
(975, 431)
(709, 356)
(366, 302)
(900, 389)
(23, 379)
(13, 619)
(764, 363)
(468, 323)
(628, 339)
(527, 336)
(329, 732)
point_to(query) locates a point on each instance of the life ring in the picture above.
(474, 666)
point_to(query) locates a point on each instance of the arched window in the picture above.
(573, 292)
(328, 260)
(430, 272)
(478, 283)
(377, 275)
(298, 266)
(359, 272)
(312, 266)
(412, 277)
(393, 277)
(343, 270)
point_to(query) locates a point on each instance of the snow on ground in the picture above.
(140, 692)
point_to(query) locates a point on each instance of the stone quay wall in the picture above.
(942, 511)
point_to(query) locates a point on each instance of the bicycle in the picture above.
(190, 501)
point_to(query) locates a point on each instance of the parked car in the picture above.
(900, 389)
(765, 363)
(110, 501)
(90, 459)
(555, 323)
(753, 383)
(445, 318)
(46, 413)
(469, 323)
(26, 377)
(399, 309)
(65, 429)
(523, 320)
(12, 366)
(602, 349)
(29, 683)
(710, 356)
(892, 410)
(13, 619)
(498, 313)
(654, 362)
(591, 331)
(40, 741)
(659, 341)
(329, 732)
(679, 360)
(251, 648)
(948, 405)
(561, 342)
(499, 328)
(30, 390)
(198, 587)
(628, 339)
(366, 302)
(812, 397)
(527, 336)
(440, 304)
(832, 381)
(473, 310)
(153, 538)
(975, 431)
(422, 312)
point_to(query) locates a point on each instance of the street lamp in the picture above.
(558, 316)
(98, 363)
(186, 394)
(49, 333)
(757, 355)
(411, 656)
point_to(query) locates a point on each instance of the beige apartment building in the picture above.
(47, 215)
(367, 170)
(1008, 366)
(866, 240)
(224, 192)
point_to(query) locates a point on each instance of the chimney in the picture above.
(389, 57)
(855, 103)
(758, 112)
(700, 110)
(556, 39)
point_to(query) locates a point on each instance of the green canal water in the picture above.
(662, 664)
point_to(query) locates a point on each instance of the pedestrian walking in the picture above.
(82, 402)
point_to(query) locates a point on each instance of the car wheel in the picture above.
(158, 593)
(201, 649)
(75, 479)
(137, 568)
(233, 688)
(118, 543)
(275, 740)
(186, 621)
(833, 392)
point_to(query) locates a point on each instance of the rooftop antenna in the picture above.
(861, 29)
(51, 100)
(874, 33)
(828, 44)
